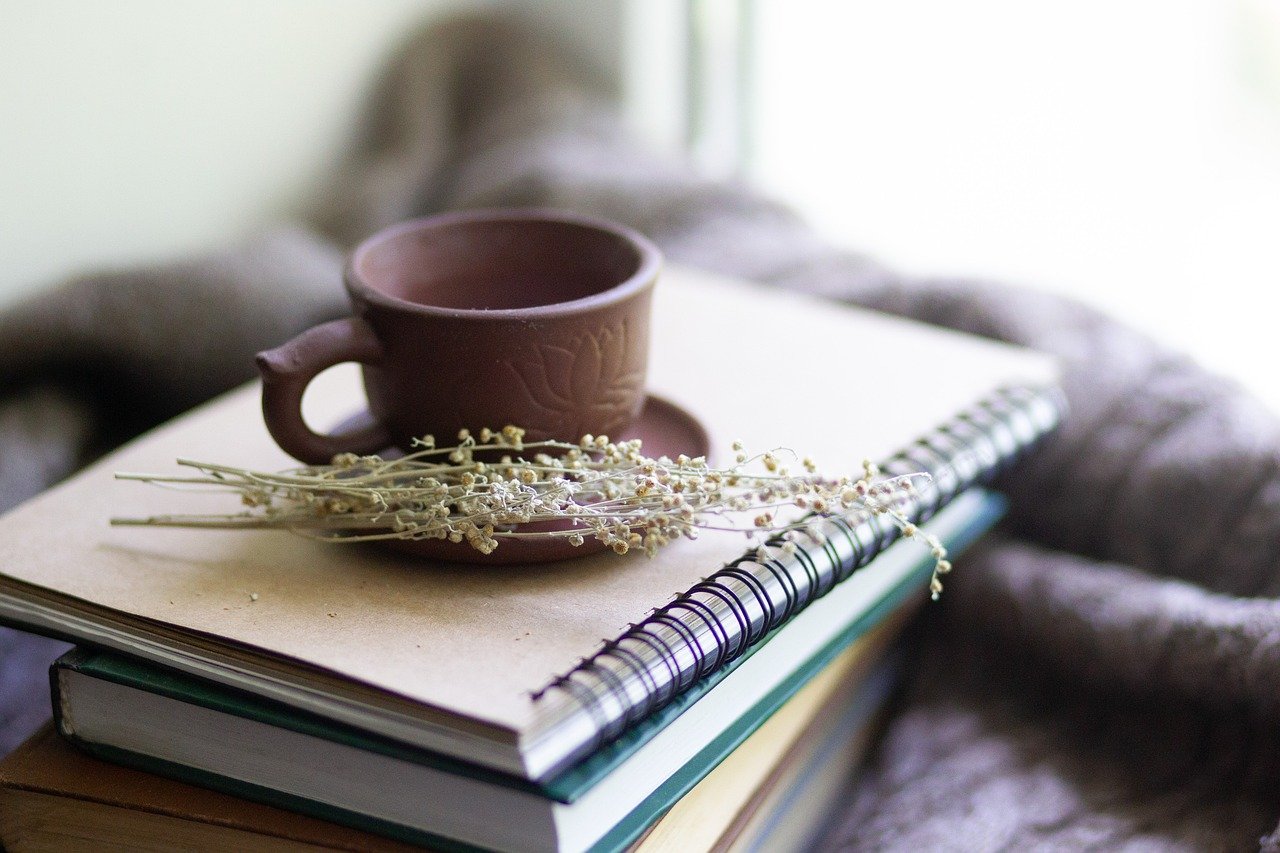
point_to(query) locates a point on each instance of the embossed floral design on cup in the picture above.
(586, 385)
(481, 318)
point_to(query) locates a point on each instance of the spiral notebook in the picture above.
(526, 670)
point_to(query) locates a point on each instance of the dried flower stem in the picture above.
(608, 491)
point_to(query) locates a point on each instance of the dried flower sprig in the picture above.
(494, 486)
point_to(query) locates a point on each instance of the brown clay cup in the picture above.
(535, 318)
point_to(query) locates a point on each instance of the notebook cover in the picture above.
(772, 369)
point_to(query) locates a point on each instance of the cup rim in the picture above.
(645, 276)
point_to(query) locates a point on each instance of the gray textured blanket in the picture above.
(1102, 675)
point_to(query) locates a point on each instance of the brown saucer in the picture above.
(665, 429)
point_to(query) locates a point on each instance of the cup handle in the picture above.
(289, 368)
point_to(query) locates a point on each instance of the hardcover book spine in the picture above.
(725, 615)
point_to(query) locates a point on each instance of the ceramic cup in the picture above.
(479, 319)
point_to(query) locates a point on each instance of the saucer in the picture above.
(664, 428)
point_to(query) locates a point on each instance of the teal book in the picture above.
(131, 712)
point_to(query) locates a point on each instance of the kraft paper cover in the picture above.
(773, 369)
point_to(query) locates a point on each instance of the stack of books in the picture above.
(266, 690)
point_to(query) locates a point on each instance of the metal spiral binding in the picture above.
(715, 621)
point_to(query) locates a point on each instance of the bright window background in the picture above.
(1124, 152)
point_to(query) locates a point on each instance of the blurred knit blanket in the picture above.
(1103, 674)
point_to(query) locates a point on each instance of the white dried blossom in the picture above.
(593, 489)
